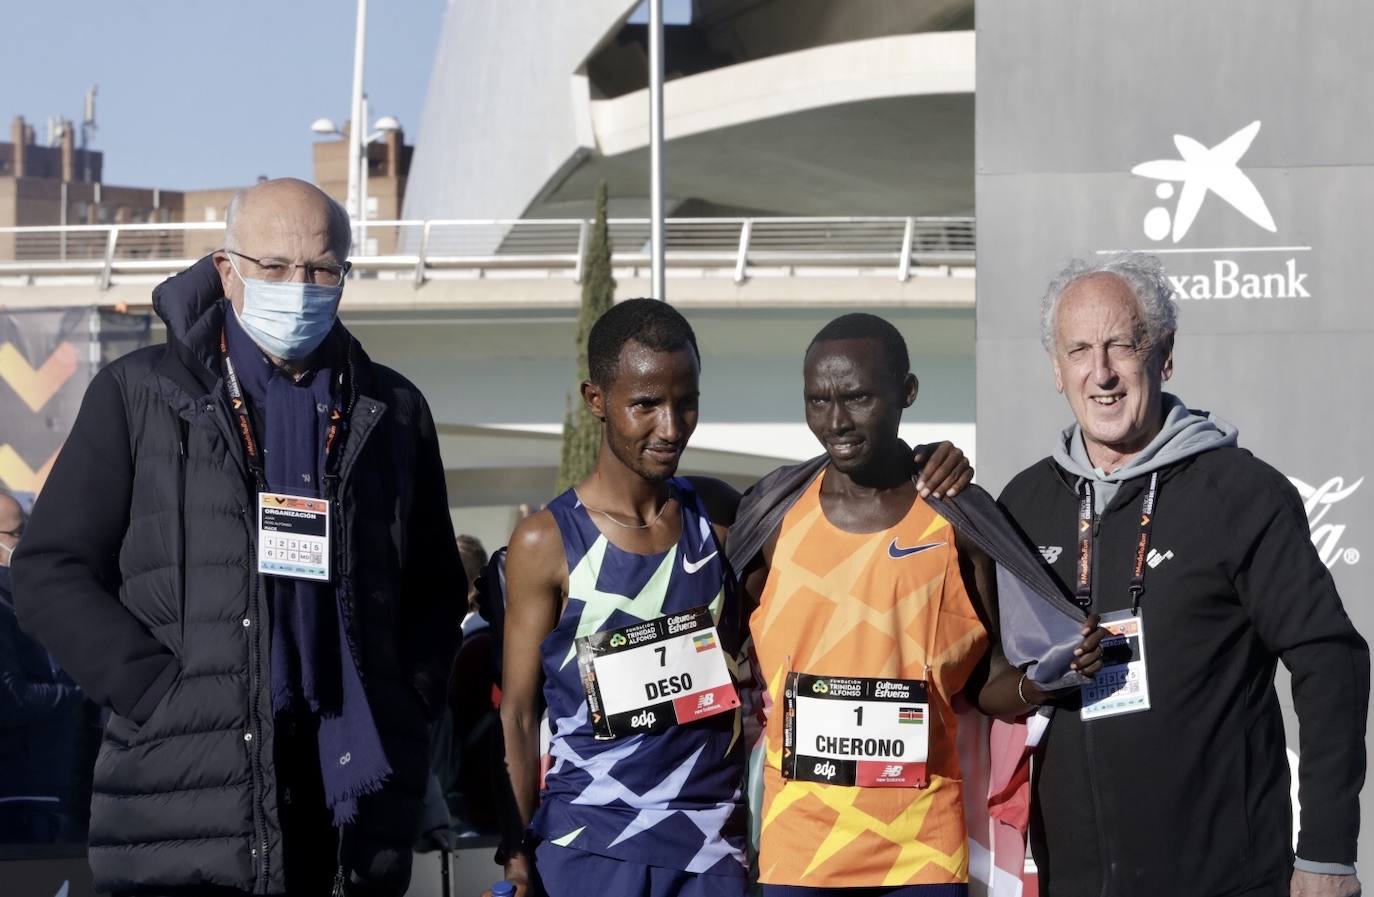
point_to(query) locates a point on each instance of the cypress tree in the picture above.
(582, 431)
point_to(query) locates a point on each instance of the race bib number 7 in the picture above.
(850, 731)
(656, 674)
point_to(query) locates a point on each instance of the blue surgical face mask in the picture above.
(287, 320)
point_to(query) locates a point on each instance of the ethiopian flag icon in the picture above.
(704, 642)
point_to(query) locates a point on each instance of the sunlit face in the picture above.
(854, 403)
(650, 408)
(279, 221)
(1107, 367)
(11, 528)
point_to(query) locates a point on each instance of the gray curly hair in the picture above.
(1145, 276)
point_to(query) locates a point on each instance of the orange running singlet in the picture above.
(875, 605)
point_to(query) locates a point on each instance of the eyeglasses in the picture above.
(280, 270)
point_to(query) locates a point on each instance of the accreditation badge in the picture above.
(654, 675)
(293, 536)
(874, 733)
(1123, 684)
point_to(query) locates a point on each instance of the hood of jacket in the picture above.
(1185, 433)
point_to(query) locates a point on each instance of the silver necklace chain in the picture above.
(608, 516)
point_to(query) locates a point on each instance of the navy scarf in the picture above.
(313, 669)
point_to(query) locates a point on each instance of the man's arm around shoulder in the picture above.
(721, 501)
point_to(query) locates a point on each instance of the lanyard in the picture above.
(251, 450)
(1083, 591)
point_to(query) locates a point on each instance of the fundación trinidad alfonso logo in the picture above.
(1200, 173)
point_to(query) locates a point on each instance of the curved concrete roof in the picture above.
(499, 122)
(903, 65)
(510, 129)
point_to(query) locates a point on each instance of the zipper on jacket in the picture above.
(183, 433)
(254, 726)
(1103, 848)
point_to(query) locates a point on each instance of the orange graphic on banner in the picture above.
(17, 476)
(36, 387)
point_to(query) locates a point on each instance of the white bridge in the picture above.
(534, 262)
(482, 316)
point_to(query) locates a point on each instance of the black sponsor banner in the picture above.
(47, 359)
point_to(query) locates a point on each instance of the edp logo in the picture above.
(826, 769)
(643, 720)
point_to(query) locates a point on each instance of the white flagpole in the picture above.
(656, 144)
(357, 128)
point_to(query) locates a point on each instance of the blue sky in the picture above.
(197, 94)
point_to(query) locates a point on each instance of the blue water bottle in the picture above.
(503, 889)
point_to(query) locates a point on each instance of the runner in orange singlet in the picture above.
(873, 619)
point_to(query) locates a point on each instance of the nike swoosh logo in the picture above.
(694, 566)
(897, 553)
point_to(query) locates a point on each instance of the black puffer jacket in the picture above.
(137, 573)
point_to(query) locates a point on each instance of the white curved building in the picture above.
(772, 107)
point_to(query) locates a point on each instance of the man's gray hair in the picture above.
(340, 225)
(23, 515)
(1141, 272)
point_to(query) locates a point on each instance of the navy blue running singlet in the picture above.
(673, 798)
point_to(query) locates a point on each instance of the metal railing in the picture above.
(425, 249)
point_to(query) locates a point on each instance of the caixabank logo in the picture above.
(1209, 183)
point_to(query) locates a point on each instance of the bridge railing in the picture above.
(423, 249)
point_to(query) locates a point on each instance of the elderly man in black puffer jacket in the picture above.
(268, 733)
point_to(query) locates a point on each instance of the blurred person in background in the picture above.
(40, 713)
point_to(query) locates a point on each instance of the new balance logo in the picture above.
(892, 771)
(1154, 558)
(1203, 170)
(706, 700)
(1051, 553)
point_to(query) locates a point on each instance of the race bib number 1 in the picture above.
(656, 674)
(849, 731)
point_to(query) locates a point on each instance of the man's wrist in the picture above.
(512, 848)
(1302, 865)
(1029, 693)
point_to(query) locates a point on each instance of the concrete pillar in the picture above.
(19, 137)
(68, 152)
(394, 141)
